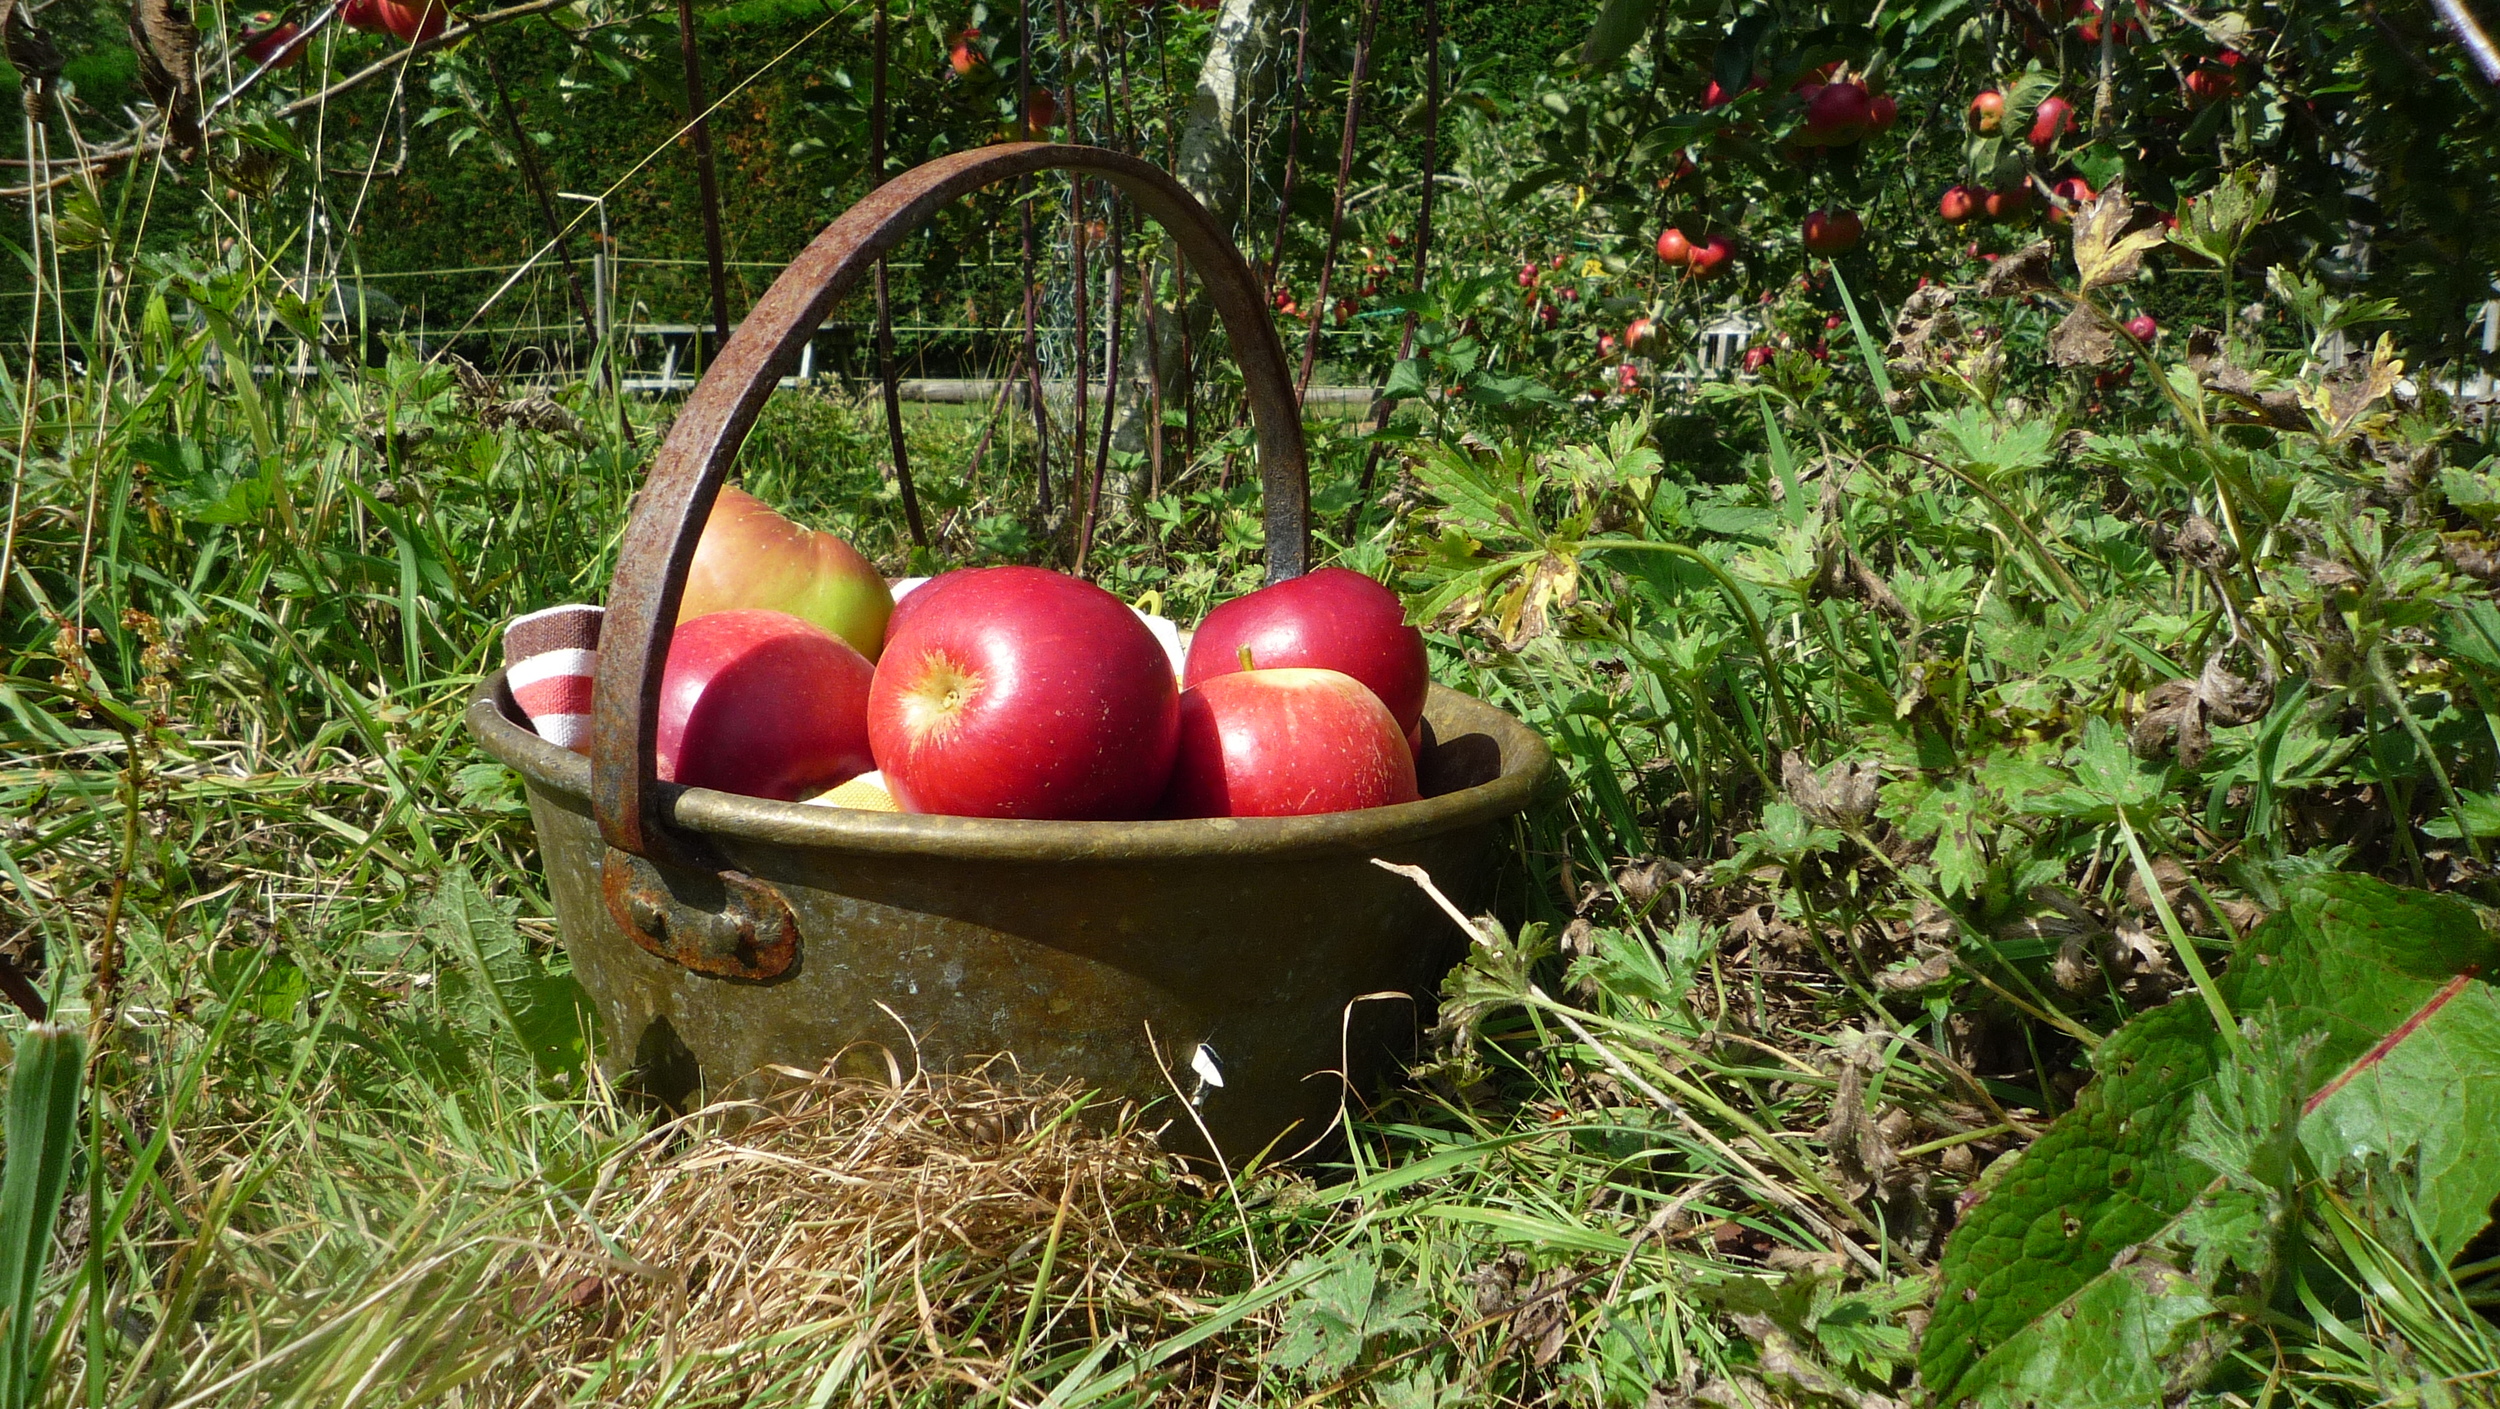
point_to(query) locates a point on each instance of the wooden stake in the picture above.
(1318, 312)
(885, 311)
(707, 182)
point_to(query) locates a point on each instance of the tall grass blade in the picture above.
(42, 1132)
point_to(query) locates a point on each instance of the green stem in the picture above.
(2386, 681)
(1736, 595)
(2189, 959)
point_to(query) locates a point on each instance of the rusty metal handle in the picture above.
(659, 544)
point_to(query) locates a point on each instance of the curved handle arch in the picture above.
(686, 475)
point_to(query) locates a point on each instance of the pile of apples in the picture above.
(1023, 693)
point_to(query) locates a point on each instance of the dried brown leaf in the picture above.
(2082, 339)
(2106, 251)
(2027, 270)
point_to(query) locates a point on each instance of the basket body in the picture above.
(1147, 960)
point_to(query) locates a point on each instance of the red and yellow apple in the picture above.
(762, 703)
(1017, 692)
(1333, 619)
(1286, 742)
(750, 556)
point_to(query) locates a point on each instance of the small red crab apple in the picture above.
(1958, 205)
(1987, 112)
(1711, 256)
(1830, 232)
(266, 40)
(1673, 248)
(1759, 357)
(1837, 114)
(2051, 121)
(1528, 276)
(1638, 334)
(1628, 377)
(2143, 329)
(415, 21)
(2008, 203)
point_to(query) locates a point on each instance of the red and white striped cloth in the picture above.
(550, 659)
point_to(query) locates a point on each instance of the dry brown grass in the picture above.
(848, 1241)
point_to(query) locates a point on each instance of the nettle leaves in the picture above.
(2123, 1254)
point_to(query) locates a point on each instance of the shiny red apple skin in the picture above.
(1287, 742)
(764, 704)
(1332, 619)
(918, 598)
(1018, 692)
(750, 556)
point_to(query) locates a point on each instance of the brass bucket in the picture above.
(1250, 967)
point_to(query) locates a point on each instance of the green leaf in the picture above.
(1344, 1310)
(2111, 1229)
(1618, 28)
(1410, 378)
(42, 1133)
(500, 983)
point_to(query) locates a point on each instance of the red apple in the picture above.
(962, 56)
(2008, 203)
(762, 703)
(2052, 120)
(1837, 114)
(267, 38)
(365, 15)
(1016, 692)
(1286, 742)
(1528, 275)
(1041, 112)
(1881, 113)
(1987, 112)
(751, 556)
(415, 22)
(2074, 191)
(1959, 204)
(1757, 358)
(2142, 328)
(1833, 231)
(1638, 334)
(1332, 619)
(1710, 256)
(1673, 248)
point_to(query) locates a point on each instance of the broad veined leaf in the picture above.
(1618, 28)
(2384, 988)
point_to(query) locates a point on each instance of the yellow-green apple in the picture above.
(1332, 619)
(1018, 692)
(1285, 743)
(750, 556)
(762, 703)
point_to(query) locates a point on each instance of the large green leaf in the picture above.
(2072, 1252)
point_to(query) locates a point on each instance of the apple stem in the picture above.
(1245, 659)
